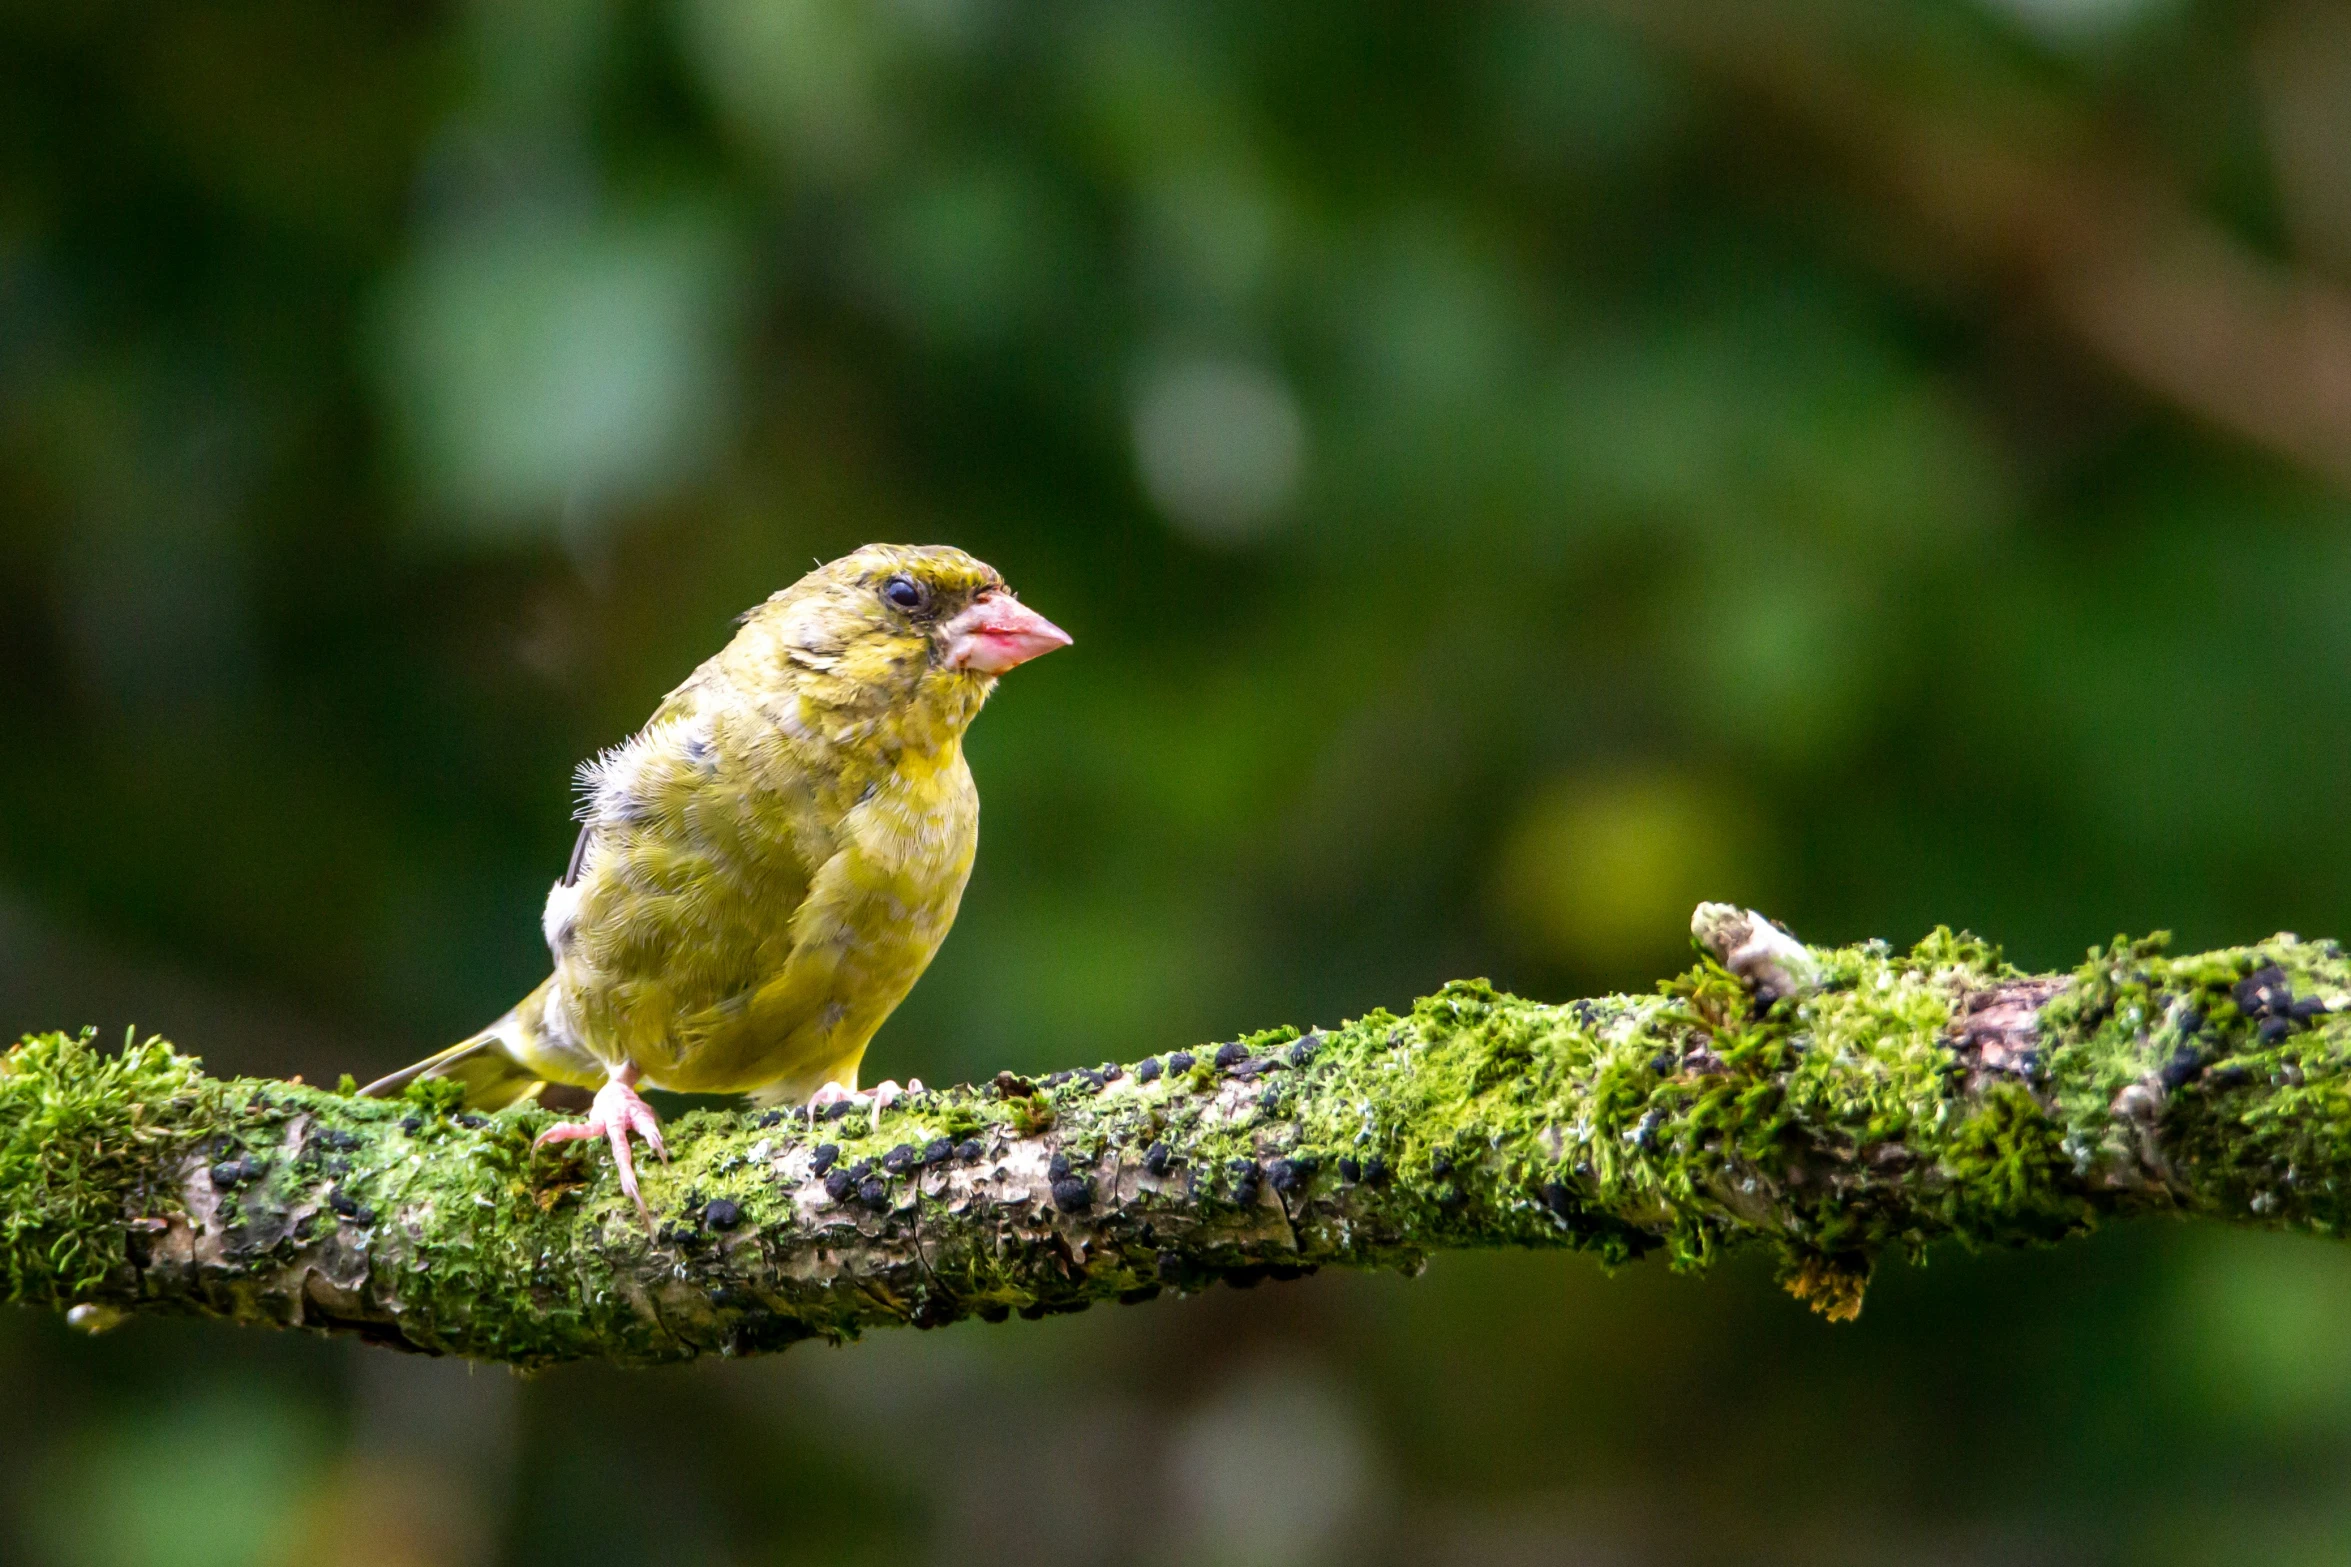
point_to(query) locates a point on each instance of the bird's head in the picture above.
(922, 628)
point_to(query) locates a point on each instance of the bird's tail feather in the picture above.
(485, 1064)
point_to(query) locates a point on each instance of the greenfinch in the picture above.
(765, 869)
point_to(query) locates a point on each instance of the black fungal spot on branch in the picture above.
(2264, 992)
(1244, 1175)
(2181, 1069)
(1147, 1071)
(1155, 1159)
(1291, 1176)
(1232, 1055)
(722, 1214)
(1180, 1063)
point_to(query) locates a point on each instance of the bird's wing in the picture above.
(699, 849)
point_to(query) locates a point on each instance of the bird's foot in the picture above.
(616, 1113)
(883, 1095)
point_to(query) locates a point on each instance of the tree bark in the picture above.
(1831, 1104)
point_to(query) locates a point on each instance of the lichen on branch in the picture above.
(1834, 1105)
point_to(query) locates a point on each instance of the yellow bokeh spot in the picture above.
(1600, 873)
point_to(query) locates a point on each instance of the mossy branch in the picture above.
(1832, 1104)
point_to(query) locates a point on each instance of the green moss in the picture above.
(443, 1096)
(1943, 951)
(81, 1131)
(2008, 1175)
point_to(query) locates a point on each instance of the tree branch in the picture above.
(2028, 193)
(1832, 1104)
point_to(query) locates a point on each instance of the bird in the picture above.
(765, 869)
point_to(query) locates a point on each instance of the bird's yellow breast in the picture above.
(874, 916)
(756, 896)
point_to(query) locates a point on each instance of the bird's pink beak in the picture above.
(999, 632)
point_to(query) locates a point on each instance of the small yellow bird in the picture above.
(765, 869)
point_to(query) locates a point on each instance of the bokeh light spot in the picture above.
(1600, 873)
(1271, 1471)
(1221, 446)
(542, 365)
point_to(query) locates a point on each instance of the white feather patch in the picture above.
(614, 788)
(610, 786)
(560, 923)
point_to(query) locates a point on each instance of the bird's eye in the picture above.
(904, 593)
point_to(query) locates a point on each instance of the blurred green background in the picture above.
(1512, 469)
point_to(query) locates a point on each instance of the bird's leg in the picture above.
(616, 1113)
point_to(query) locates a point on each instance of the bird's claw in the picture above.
(883, 1095)
(616, 1113)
